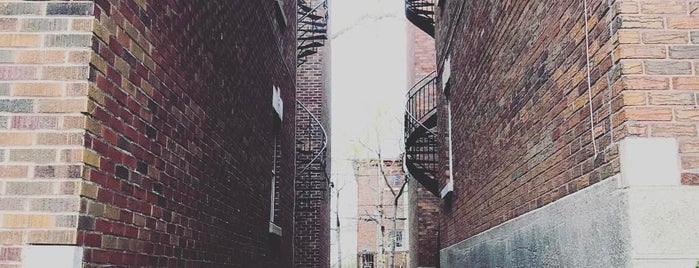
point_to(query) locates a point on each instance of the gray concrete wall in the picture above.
(581, 230)
(642, 217)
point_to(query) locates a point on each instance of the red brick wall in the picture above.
(423, 206)
(185, 134)
(521, 129)
(170, 130)
(421, 54)
(312, 222)
(521, 125)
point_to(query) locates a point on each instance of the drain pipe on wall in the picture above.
(446, 74)
(450, 185)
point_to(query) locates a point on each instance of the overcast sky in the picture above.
(368, 94)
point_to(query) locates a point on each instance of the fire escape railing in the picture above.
(421, 14)
(421, 152)
(312, 131)
(312, 29)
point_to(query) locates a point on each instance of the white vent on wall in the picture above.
(446, 72)
(448, 189)
(277, 102)
(274, 229)
(54, 256)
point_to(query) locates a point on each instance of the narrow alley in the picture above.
(349, 133)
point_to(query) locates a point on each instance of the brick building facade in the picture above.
(375, 210)
(142, 133)
(573, 133)
(312, 207)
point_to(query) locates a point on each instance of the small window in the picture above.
(399, 237)
(367, 260)
(281, 15)
(276, 167)
(396, 179)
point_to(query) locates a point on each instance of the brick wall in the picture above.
(657, 75)
(312, 222)
(154, 155)
(522, 130)
(423, 205)
(44, 56)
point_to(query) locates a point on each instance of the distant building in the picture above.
(375, 210)
(559, 133)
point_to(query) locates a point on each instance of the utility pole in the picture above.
(393, 229)
(379, 225)
(337, 219)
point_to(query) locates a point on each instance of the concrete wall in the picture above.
(641, 219)
(586, 229)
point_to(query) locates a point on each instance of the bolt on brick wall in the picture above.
(44, 56)
(523, 136)
(140, 143)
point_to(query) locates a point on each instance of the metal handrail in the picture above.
(315, 29)
(421, 14)
(311, 11)
(325, 139)
(413, 92)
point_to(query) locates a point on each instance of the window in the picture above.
(367, 260)
(399, 237)
(276, 159)
(281, 15)
(278, 106)
(395, 179)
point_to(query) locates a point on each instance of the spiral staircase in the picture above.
(421, 14)
(312, 28)
(421, 152)
(421, 146)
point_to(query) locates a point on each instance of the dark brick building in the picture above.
(148, 134)
(560, 134)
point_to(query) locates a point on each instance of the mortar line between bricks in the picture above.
(71, 64)
(78, 81)
(49, 49)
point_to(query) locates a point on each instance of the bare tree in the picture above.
(381, 165)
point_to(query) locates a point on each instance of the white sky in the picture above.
(368, 39)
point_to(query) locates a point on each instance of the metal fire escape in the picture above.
(311, 137)
(421, 152)
(421, 14)
(312, 28)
